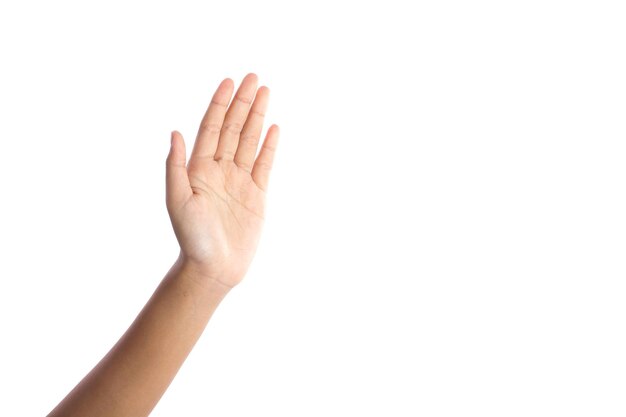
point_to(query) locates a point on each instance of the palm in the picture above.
(225, 215)
(216, 202)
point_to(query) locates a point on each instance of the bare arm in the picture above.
(216, 205)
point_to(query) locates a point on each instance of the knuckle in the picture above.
(263, 165)
(174, 163)
(246, 100)
(217, 103)
(249, 139)
(225, 154)
(245, 165)
(210, 128)
(258, 113)
(234, 127)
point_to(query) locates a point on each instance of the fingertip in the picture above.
(177, 137)
(228, 82)
(174, 138)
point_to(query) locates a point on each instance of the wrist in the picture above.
(201, 276)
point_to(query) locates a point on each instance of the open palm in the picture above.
(216, 202)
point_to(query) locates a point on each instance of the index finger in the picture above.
(211, 124)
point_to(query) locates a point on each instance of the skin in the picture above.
(216, 204)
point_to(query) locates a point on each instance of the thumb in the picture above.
(177, 188)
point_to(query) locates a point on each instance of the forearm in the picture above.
(134, 374)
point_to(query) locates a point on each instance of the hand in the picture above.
(216, 203)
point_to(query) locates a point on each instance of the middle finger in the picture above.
(236, 116)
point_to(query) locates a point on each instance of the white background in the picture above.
(445, 229)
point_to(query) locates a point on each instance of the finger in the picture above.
(263, 164)
(236, 116)
(211, 124)
(251, 133)
(177, 187)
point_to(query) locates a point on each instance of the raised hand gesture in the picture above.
(216, 202)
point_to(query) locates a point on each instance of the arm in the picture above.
(216, 204)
